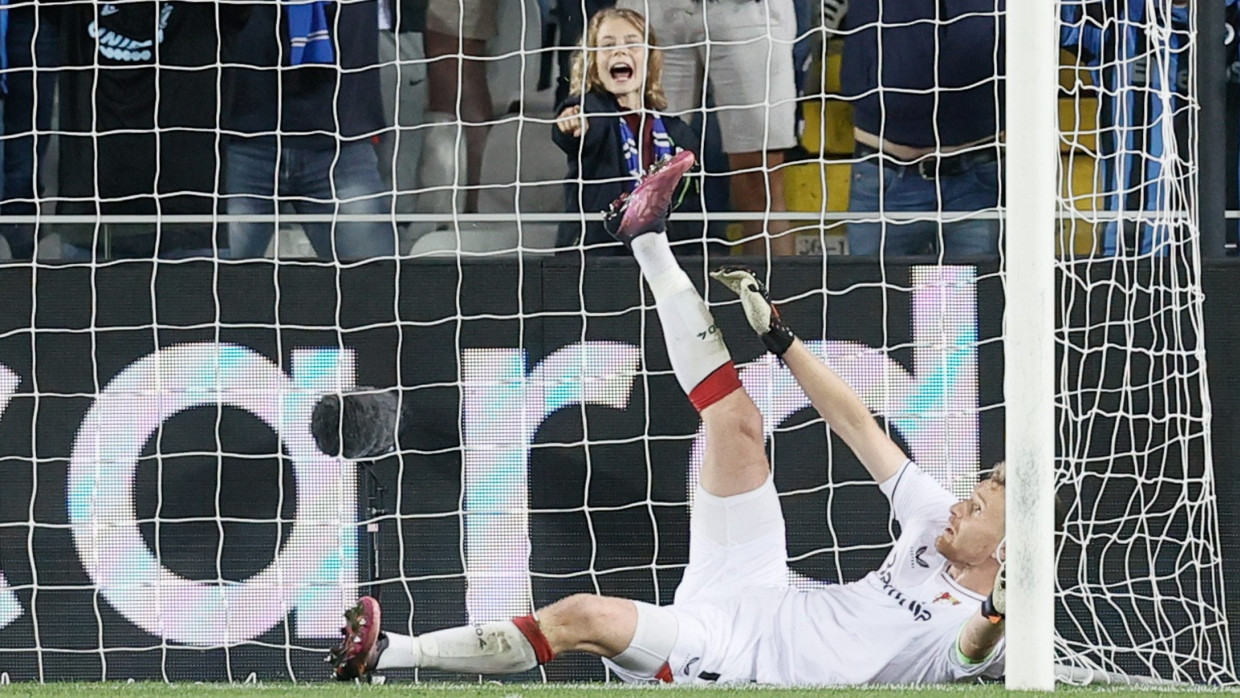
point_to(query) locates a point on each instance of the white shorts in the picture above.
(468, 19)
(747, 61)
(737, 576)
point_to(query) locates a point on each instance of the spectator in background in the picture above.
(29, 45)
(459, 97)
(571, 18)
(742, 49)
(612, 129)
(403, 79)
(925, 78)
(303, 106)
(1133, 117)
(138, 120)
(1232, 43)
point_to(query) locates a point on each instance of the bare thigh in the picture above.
(734, 461)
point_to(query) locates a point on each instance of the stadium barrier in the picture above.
(153, 525)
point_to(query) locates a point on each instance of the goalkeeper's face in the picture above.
(975, 528)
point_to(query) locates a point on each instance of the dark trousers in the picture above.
(31, 44)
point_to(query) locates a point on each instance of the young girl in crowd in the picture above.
(612, 131)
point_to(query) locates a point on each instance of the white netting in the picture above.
(1140, 568)
(154, 525)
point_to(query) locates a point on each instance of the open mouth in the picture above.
(621, 71)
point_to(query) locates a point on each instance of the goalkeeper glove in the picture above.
(761, 313)
(994, 608)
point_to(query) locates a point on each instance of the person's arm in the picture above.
(576, 130)
(982, 632)
(978, 639)
(844, 412)
(569, 127)
(834, 399)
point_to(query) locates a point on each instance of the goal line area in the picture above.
(217, 221)
(525, 690)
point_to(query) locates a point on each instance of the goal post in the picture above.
(1029, 325)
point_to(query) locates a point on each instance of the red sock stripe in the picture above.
(665, 674)
(529, 628)
(718, 385)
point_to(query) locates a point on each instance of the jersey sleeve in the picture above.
(916, 498)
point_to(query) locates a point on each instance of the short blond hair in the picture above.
(585, 77)
(998, 474)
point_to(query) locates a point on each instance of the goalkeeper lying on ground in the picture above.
(933, 612)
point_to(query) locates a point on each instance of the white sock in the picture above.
(654, 255)
(486, 648)
(694, 344)
(403, 652)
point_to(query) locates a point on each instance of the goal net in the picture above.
(1140, 589)
(166, 515)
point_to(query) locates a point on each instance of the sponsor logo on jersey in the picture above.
(108, 9)
(946, 597)
(920, 611)
(915, 557)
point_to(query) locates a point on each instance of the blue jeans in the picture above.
(903, 189)
(27, 105)
(314, 180)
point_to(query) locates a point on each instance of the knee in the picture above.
(585, 622)
(580, 615)
(738, 419)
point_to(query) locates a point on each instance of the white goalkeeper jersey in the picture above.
(899, 624)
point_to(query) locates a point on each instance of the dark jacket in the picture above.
(598, 174)
(338, 100)
(137, 101)
(408, 16)
(942, 66)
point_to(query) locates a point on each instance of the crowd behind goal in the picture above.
(887, 117)
(691, 139)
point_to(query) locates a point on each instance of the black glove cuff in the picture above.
(989, 612)
(779, 339)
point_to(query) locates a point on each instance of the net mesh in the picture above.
(1140, 570)
(167, 516)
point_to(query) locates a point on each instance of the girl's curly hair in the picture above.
(586, 78)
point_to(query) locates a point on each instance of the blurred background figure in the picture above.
(402, 74)
(926, 83)
(459, 109)
(303, 108)
(29, 85)
(742, 51)
(1138, 129)
(612, 128)
(138, 123)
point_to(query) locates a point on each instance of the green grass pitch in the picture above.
(431, 690)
